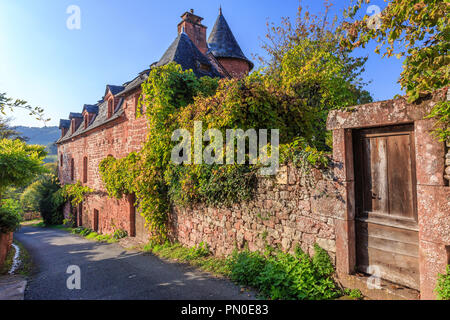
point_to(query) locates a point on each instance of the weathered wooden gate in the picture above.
(387, 241)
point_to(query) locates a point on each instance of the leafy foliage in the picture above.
(51, 200)
(285, 276)
(309, 76)
(29, 198)
(75, 192)
(7, 103)
(443, 285)
(19, 163)
(417, 30)
(9, 215)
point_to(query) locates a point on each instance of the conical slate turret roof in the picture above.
(184, 52)
(222, 42)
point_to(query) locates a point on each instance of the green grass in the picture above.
(31, 222)
(41, 224)
(26, 264)
(198, 256)
(92, 235)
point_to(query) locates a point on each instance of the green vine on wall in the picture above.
(176, 98)
(75, 193)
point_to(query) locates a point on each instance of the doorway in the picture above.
(386, 228)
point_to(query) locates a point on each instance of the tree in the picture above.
(19, 163)
(308, 66)
(417, 30)
(7, 103)
(8, 132)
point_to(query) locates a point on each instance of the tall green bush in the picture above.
(51, 201)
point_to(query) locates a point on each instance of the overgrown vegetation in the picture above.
(198, 256)
(307, 76)
(75, 193)
(443, 285)
(92, 235)
(25, 266)
(418, 31)
(9, 215)
(44, 195)
(280, 275)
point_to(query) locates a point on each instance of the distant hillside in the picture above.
(45, 136)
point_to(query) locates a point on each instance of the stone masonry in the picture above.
(294, 208)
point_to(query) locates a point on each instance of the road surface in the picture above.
(110, 272)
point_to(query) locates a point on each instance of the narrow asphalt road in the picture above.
(110, 272)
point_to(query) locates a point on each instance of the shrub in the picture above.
(9, 216)
(286, 276)
(443, 285)
(119, 234)
(246, 267)
(29, 199)
(51, 201)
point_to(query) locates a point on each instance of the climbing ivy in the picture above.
(310, 78)
(75, 193)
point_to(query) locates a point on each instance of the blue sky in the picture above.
(50, 66)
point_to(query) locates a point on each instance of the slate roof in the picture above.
(90, 108)
(73, 115)
(114, 89)
(64, 123)
(136, 82)
(223, 44)
(98, 120)
(184, 52)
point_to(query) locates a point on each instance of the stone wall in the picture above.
(293, 208)
(6, 240)
(447, 162)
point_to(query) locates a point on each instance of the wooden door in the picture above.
(387, 241)
(141, 230)
(95, 224)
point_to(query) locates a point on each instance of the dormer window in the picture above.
(205, 67)
(72, 125)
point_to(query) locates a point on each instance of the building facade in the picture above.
(111, 128)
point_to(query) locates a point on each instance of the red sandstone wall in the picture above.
(295, 208)
(6, 240)
(237, 68)
(117, 139)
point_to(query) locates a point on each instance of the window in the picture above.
(72, 169)
(85, 169)
(73, 125)
(61, 161)
(110, 108)
(205, 67)
(86, 121)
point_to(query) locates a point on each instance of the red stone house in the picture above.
(383, 208)
(110, 127)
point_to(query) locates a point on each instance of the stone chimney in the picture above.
(191, 24)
